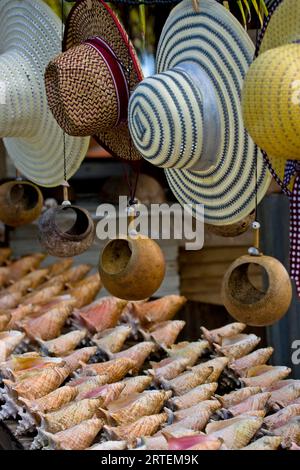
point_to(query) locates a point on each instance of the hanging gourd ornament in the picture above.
(21, 202)
(132, 267)
(70, 241)
(248, 303)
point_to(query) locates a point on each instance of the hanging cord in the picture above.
(65, 184)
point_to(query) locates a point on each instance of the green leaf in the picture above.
(264, 8)
(142, 11)
(254, 3)
(239, 2)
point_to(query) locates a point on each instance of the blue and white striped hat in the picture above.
(187, 118)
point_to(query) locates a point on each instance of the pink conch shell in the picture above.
(22, 266)
(187, 381)
(218, 365)
(9, 340)
(265, 443)
(107, 393)
(171, 368)
(137, 353)
(70, 415)
(284, 395)
(113, 339)
(236, 432)
(18, 314)
(165, 333)
(256, 358)
(252, 403)
(135, 385)
(144, 426)
(109, 445)
(48, 326)
(85, 292)
(76, 358)
(294, 446)
(158, 310)
(205, 405)
(60, 266)
(129, 409)
(115, 369)
(237, 396)
(192, 351)
(217, 335)
(44, 294)
(85, 385)
(196, 395)
(289, 432)
(237, 346)
(51, 402)
(265, 375)
(283, 383)
(78, 437)
(64, 344)
(102, 314)
(55, 302)
(40, 384)
(282, 416)
(197, 442)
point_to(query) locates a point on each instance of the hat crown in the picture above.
(174, 120)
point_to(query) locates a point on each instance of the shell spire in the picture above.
(48, 326)
(137, 353)
(112, 339)
(218, 334)
(144, 426)
(115, 369)
(64, 344)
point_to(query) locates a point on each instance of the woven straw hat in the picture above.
(88, 86)
(271, 93)
(188, 120)
(30, 35)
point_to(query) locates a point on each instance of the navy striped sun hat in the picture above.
(187, 118)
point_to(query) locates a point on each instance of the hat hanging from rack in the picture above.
(30, 35)
(88, 86)
(187, 118)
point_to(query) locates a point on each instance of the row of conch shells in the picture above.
(109, 374)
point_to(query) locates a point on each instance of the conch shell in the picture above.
(205, 405)
(157, 442)
(256, 358)
(129, 409)
(237, 346)
(217, 335)
(192, 351)
(218, 365)
(23, 362)
(9, 340)
(41, 383)
(282, 416)
(284, 395)
(252, 403)
(107, 393)
(196, 417)
(237, 396)
(236, 432)
(17, 314)
(265, 376)
(144, 426)
(289, 432)
(76, 274)
(48, 326)
(194, 442)
(187, 381)
(169, 368)
(44, 294)
(85, 385)
(135, 385)
(265, 443)
(60, 266)
(23, 265)
(70, 415)
(137, 353)
(115, 369)
(102, 314)
(113, 339)
(5, 253)
(164, 333)
(78, 437)
(158, 310)
(4, 321)
(196, 395)
(64, 344)
(10, 299)
(30, 281)
(52, 401)
(109, 445)
(76, 358)
(85, 291)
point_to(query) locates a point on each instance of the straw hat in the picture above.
(188, 120)
(88, 86)
(30, 35)
(271, 94)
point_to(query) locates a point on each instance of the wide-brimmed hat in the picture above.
(271, 93)
(30, 35)
(188, 119)
(88, 86)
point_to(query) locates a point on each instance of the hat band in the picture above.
(117, 73)
(211, 116)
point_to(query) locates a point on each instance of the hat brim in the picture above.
(281, 28)
(216, 41)
(90, 18)
(32, 30)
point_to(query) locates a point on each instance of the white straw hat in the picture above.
(30, 36)
(188, 119)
